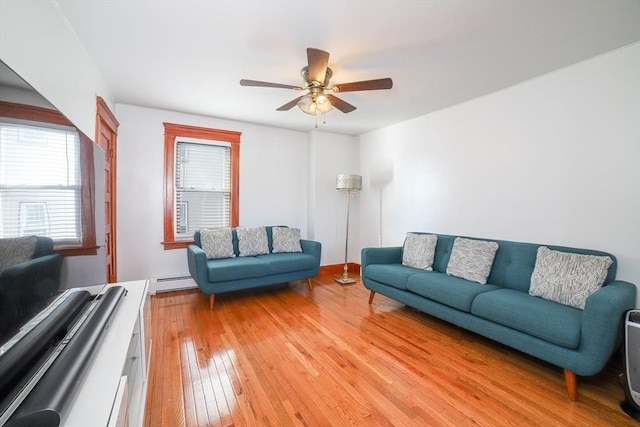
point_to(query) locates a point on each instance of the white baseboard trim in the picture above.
(169, 284)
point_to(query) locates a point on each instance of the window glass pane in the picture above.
(203, 193)
(40, 183)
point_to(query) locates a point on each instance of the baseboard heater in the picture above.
(168, 284)
(48, 402)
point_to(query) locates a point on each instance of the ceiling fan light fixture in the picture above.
(320, 98)
(313, 104)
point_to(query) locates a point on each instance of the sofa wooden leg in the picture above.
(371, 295)
(309, 283)
(572, 385)
(212, 298)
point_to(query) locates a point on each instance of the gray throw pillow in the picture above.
(216, 242)
(472, 259)
(286, 239)
(16, 250)
(419, 250)
(252, 241)
(568, 278)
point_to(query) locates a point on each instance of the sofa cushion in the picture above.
(252, 241)
(216, 242)
(472, 259)
(452, 291)
(286, 239)
(222, 270)
(16, 250)
(418, 250)
(568, 278)
(544, 319)
(395, 275)
(288, 262)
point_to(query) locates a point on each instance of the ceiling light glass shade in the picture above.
(307, 105)
(323, 104)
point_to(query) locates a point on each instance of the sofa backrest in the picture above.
(16, 250)
(514, 261)
(234, 237)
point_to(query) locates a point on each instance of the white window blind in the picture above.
(40, 182)
(203, 187)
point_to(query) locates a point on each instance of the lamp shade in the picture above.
(348, 183)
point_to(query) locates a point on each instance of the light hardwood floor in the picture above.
(288, 356)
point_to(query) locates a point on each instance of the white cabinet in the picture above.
(114, 390)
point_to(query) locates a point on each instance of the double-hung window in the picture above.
(201, 181)
(203, 186)
(43, 187)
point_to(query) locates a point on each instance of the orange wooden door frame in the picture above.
(106, 138)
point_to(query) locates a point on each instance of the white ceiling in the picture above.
(190, 55)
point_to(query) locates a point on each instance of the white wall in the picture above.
(273, 189)
(554, 160)
(332, 154)
(37, 42)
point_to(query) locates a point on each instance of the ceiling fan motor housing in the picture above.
(304, 72)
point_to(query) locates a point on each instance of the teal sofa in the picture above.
(579, 341)
(217, 276)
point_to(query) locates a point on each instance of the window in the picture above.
(46, 179)
(201, 181)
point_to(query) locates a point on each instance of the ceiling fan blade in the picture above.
(376, 84)
(318, 62)
(245, 82)
(341, 105)
(289, 105)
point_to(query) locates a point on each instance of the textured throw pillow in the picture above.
(217, 243)
(419, 250)
(286, 239)
(472, 259)
(252, 241)
(568, 278)
(16, 250)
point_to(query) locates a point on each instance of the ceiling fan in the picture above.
(319, 98)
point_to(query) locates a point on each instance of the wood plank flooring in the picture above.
(288, 356)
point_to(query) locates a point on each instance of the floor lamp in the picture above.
(349, 185)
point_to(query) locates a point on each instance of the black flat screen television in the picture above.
(42, 338)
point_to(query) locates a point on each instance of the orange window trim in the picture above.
(171, 133)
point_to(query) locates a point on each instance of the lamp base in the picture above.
(345, 281)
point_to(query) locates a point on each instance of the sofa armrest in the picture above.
(197, 260)
(387, 255)
(35, 280)
(39, 276)
(602, 317)
(312, 247)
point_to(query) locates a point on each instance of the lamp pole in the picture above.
(349, 185)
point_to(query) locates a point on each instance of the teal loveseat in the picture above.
(217, 276)
(580, 341)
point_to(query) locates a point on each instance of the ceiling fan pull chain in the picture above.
(316, 116)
